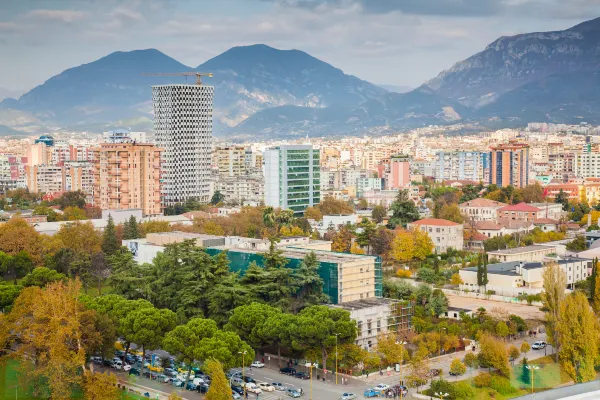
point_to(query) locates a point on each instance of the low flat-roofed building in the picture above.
(455, 312)
(526, 254)
(377, 316)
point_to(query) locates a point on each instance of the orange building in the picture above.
(509, 164)
(127, 175)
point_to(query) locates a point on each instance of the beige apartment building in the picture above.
(443, 233)
(127, 175)
(231, 160)
(45, 178)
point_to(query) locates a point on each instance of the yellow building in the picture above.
(127, 175)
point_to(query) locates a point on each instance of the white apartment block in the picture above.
(481, 209)
(460, 165)
(239, 189)
(45, 178)
(443, 233)
(586, 165)
(183, 128)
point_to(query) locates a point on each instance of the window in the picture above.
(368, 326)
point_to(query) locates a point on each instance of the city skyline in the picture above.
(381, 41)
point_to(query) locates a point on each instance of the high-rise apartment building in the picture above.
(127, 175)
(509, 164)
(183, 128)
(586, 165)
(460, 165)
(292, 177)
(79, 175)
(395, 171)
(38, 154)
(231, 160)
(45, 178)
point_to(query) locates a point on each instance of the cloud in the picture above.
(67, 16)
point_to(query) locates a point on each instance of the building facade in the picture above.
(230, 160)
(45, 178)
(183, 127)
(443, 233)
(127, 176)
(292, 177)
(460, 165)
(239, 189)
(481, 209)
(509, 165)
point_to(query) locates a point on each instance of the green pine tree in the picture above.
(131, 230)
(479, 271)
(110, 243)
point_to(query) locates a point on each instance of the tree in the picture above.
(378, 213)
(99, 270)
(81, 237)
(403, 210)
(471, 360)
(110, 243)
(457, 367)
(533, 193)
(363, 204)
(51, 215)
(100, 386)
(153, 227)
(309, 283)
(419, 368)
(484, 275)
(479, 271)
(513, 352)
(247, 321)
(423, 244)
(331, 206)
(127, 278)
(342, 240)
(403, 246)
(219, 385)
(381, 241)
(316, 327)
(577, 331)
(217, 198)
(456, 279)
(41, 276)
(451, 212)
(390, 350)
(73, 214)
(494, 354)
(502, 329)
(148, 327)
(525, 347)
(20, 264)
(17, 235)
(53, 326)
(577, 244)
(595, 287)
(555, 282)
(72, 199)
(562, 198)
(276, 329)
(131, 230)
(313, 213)
(8, 295)
(363, 239)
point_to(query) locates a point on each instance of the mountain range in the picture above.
(266, 92)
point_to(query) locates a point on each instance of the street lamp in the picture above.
(532, 368)
(311, 366)
(243, 353)
(401, 343)
(336, 358)
(442, 395)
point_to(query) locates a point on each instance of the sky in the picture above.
(398, 42)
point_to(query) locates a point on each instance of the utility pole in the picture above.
(243, 353)
(336, 358)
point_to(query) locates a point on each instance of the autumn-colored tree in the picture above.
(331, 206)
(451, 212)
(419, 368)
(17, 235)
(457, 367)
(81, 237)
(596, 294)
(456, 279)
(423, 244)
(502, 330)
(471, 360)
(100, 386)
(73, 214)
(390, 350)
(577, 331)
(153, 227)
(555, 282)
(355, 249)
(211, 228)
(313, 213)
(525, 347)
(381, 241)
(403, 246)
(494, 354)
(342, 240)
(53, 325)
(219, 385)
(513, 352)
(379, 213)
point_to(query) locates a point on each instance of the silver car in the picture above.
(293, 393)
(348, 396)
(279, 386)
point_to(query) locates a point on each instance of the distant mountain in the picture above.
(396, 88)
(511, 62)
(7, 93)
(390, 112)
(247, 79)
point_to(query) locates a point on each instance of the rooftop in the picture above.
(434, 222)
(519, 250)
(481, 202)
(523, 207)
(366, 303)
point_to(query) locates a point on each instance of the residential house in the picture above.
(481, 209)
(520, 212)
(443, 233)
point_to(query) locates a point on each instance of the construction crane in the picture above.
(198, 75)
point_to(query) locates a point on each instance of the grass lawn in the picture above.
(8, 380)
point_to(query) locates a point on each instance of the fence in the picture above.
(493, 297)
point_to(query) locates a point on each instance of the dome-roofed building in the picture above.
(46, 139)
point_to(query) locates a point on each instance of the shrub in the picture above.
(502, 385)
(403, 273)
(463, 391)
(443, 386)
(484, 379)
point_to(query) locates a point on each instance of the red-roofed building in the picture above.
(519, 212)
(481, 209)
(443, 233)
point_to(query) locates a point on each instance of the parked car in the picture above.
(295, 393)
(279, 386)
(257, 364)
(287, 371)
(433, 372)
(539, 345)
(382, 387)
(191, 386)
(455, 374)
(97, 360)
(134, 371)
(267, 387)
(252, 388)
(235, 396)
(237, 389)
(178, 383)
(248, 379)
(348, 396)
(202, 388)
(302, 375)
(371, 393)
(107, 363)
